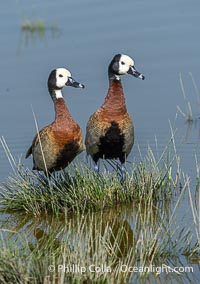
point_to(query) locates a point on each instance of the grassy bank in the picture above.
(80, 189)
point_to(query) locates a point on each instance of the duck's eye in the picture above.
(60, 75)
(122, 62)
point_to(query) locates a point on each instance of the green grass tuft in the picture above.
(81, 189)
(35, 26)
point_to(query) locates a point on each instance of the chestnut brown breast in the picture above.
(57, 144)
(110, 132)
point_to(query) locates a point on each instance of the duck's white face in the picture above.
(62, 77)
(125, 63)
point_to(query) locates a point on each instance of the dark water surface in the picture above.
(162, 37)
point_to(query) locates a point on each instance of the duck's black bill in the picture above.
(134, 72)
(73, 83)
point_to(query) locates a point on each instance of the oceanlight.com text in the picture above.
(123, 268)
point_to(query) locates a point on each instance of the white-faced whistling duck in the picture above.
(57, 144)
(110, 131)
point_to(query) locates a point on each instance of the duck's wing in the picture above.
(95, 130)
(36, 140)
(29, 152)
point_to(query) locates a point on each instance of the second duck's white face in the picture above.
(62, 76)
(125, 63)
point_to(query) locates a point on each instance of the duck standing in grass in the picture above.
(110, 131)
(57, 144)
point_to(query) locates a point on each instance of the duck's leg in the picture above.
(95, 164)
(96, 167)
(123, 173)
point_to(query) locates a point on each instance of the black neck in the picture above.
(112, 76)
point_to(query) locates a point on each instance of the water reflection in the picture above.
(124, 225)
(192, 132)
(137, 235)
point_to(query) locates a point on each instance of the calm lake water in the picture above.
(162, 37)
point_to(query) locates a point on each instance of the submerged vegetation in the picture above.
(33, 26)
(188, 114)
(33, 31)
(36, 26)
